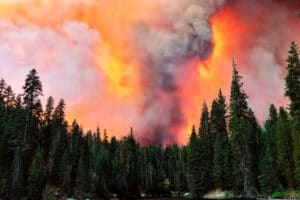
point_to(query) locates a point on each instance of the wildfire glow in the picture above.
(117, 94)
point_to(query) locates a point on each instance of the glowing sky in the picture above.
(147, 64)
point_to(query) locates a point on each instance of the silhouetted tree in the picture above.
(221, 160)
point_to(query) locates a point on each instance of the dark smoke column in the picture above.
(165, 51)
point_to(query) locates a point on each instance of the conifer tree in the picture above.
(15, 190)
(221, 160)
(243, 130)
(2, 91)
(194, 164)
(47, 128)
(131, 154)
(206, 150)
(296, 147)
(36, 179)
(59, 142)
(292, 80)
(9, 97)
(65, 172)
(5, 161)
(285, 148)
(84, 175)
(100, 171)
(292, 83)
(269, 174)
(32, 90)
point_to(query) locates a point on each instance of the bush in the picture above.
(175, 194)
(166, 185)
(228, 194)
(51, 197)
(276, 195)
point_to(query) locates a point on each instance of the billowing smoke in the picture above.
(267, 29)
(185, 34)
(147, 64)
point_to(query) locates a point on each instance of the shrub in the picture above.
(276, 195)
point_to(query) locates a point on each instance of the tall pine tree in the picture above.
(221, 159)
(36, 178)
(206, 150)
(269, 174)
(243, 138)
(292, 91)
(194, 163)
(32, 90)
(285, 148)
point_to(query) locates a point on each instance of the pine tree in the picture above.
(102, 162)
(36, 179)
(221, 160)
(206, 151)
(84, 175)
(131, 147)
(285, 148)
(47, 128)
(65, 172)
(59, 142)
(292, 80)
(243, 139)
(5, 160)
(15, 190)
(194, 164)
(76, 142)
(105, 139)
(269, 173)
(2, 91)
(9, 97)
(296, 147)
(32, 90)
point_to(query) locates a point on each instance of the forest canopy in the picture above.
(228, 150)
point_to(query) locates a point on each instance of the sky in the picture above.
(147, 64)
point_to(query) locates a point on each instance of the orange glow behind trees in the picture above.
(118, 61)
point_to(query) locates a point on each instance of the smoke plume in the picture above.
(147, 64)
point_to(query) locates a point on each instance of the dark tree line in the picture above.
(246, 158)
(230, 151)
(38, 149)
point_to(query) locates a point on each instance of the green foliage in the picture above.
(221, 159)
(277, 195)
(296, 149)
(51, 197)
(84, 175)
(285, 148)
(175, 167)
(4, 183)
(205, 152)
(36, 178)
(292, 79)
(166, 185)
(292, 83)
(194, 164)
(32, 89)
(269, 168)
(15, 188)
(65, 172)
(244, 140)
(39, 147)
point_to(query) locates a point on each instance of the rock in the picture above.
(188, 195)
(215, 194)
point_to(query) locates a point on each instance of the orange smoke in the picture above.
(119, 105)
(212, 74)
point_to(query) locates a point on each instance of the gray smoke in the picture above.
(186, 34)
